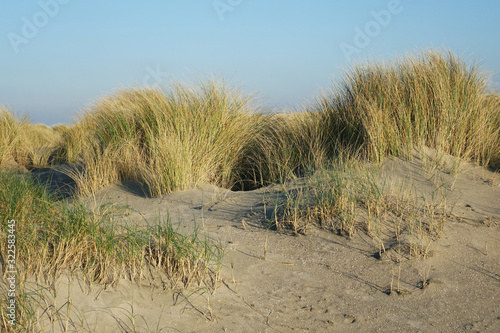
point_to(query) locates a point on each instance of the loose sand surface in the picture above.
(318, 282)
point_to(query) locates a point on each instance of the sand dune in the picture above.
(320, 282)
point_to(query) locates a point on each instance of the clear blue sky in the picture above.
(57, 56)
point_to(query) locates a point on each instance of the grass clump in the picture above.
(24, 144)
(378, 109)
(287, 146)
(53, 238)
(168, 140)
(350, 197)
(432, 98)
(344, 198)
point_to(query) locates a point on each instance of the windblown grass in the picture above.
(168, 140)
(378, 109)
(176, 139)
(432, 98)
(53, 238)
(23, 143)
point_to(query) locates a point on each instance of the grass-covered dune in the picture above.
(207, 133)
(167, 140)
(53, 238)
(188, 135)
(432, 99)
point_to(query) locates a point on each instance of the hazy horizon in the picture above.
(59, 56)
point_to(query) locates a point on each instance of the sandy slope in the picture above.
(320, 282)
